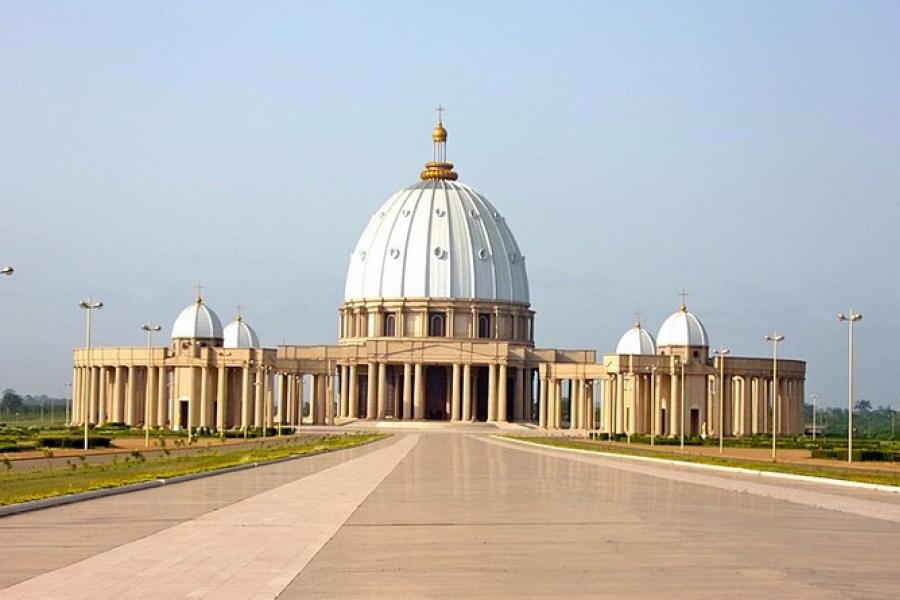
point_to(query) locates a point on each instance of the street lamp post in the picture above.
(150, 329)
(653, 405)
(89, 307)
(68, 384)
(815, 399)
(721, 353)
(775, 338)
(680, 362)
(850, 318)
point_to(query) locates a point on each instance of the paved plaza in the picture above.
(458, 513)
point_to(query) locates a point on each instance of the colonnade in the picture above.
(378, 390)
(664, 403)
(217, 398)
(581, 403)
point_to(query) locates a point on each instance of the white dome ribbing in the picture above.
(682, 328)
(197, 321)
(636, 340)
(238, 334)
(437, 239)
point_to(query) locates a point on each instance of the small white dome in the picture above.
(240, 335)
(636, 340)
(682, 328)
(437, 239)
(197, 321)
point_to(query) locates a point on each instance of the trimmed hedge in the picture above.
(68, 441)
(862, 455)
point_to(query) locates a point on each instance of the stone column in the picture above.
(221, 398)
(382, 390)
(492, 393)
(502, 395)
(371, 391)
(162, 397)
(102, 395)
(353, 393)
(620, 404)
(419, 393)
(345, 393)
(329, 398)
(301, 392)
(519, 395)
(257, 399)
(130, 398)
(557, 403)
(204, 398)
(454, 394)
(407, 392)
(118, 397)
(542, 403)
(245, 398)
(467, 393)
(313, 398)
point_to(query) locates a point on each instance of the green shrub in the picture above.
(69, 441)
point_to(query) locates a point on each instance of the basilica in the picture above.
(436, 324)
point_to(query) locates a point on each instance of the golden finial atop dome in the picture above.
(439, 134)
(439, 168)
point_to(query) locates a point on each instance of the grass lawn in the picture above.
(76, 477)
(830, 472)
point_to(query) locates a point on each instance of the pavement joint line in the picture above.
(33, 505)
(743, 470)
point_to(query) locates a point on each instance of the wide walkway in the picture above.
(438, 514)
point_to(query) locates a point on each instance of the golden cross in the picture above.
(637, 318)
(240, 307)
(199, 288)
(684, 296)
(440, 111)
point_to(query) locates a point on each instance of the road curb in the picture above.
(891, 489)
(32, 505)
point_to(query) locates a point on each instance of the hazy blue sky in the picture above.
(748, 152)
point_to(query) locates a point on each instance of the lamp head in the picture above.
(7, 270)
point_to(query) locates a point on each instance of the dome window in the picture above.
(513, 257)
(362, 255)
(484, 325)
(440, 211)
(440, 252)
(473, 213)
(436, 326)
(405, 212)
(390, 325)
(483, 254)
(395, 253)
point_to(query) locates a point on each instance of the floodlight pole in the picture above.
(89, 307)
(775, 338)
(850, 318)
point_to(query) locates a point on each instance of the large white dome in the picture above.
(197, 321)
(238, 334)
(437, 239)
(682, 328)
(636, 340)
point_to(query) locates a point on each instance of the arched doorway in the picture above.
(436, 393)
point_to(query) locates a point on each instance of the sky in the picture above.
(747, 152)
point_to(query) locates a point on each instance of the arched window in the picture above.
(390, 325)
(436, 325)
(484, 325)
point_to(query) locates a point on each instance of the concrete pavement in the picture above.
(463, 515)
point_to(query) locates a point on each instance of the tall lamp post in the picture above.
(850, 318)
(89, 307)
(775, 338)
(815, 400)
(68, 384)
(721, 353)
(150, 329)
(655, 408)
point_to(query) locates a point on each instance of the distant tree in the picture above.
(11, 401)
(863, 406)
